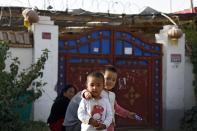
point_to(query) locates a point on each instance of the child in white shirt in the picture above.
(95, 114)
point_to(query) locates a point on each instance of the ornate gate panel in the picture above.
(84, 54)
(134, 92)
(138, 62)
(139, 84)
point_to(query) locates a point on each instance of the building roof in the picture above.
(149, 11)
(186, 11)
(147, 23)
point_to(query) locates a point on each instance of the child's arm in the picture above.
(94, 123)
(123, 112)
(86, 94)
(101, 127)
(83, 115)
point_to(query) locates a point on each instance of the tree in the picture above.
(189, 121)
(15, 85)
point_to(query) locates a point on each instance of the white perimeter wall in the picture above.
(46, 36)
(177, 87)
(25, 56)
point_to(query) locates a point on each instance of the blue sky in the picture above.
(114, 6)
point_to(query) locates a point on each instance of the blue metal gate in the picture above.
(139, 64)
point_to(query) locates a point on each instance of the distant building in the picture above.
(186, 11)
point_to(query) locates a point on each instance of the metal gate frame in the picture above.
(92, 50)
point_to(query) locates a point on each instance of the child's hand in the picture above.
(131, 115)
(93, 122)
(135, 116)
(87, 95)
(101, 127)
(138, 118)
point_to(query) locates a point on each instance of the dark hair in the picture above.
(110, 68)
(96, 74)
(66, 87)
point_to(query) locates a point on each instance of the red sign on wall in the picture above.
(46, 35)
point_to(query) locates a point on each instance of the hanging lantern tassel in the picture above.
(174, 34)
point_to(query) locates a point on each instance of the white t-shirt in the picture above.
(110, 96)
(98, 109)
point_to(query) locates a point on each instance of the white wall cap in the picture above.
(46, 22)
(45, 18)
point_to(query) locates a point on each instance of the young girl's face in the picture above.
(110, 79)
(69, 93)
(95, 86)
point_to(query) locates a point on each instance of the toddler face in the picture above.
(110, 79)
(95, 86)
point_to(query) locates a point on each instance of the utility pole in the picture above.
(192, 7)
(170, 6)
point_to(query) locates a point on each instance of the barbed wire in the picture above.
(107, 6)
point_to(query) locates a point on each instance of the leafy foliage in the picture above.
(189, 121)
(15, 85)
(191, 39)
